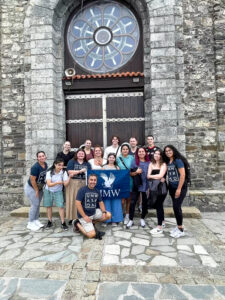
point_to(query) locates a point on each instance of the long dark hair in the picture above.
(80, 150)
(176, 154)
(115, 164)
(137, 159)
(161, 157)
(52, 168)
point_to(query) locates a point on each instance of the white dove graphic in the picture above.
(108, 180)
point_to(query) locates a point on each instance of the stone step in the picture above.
(188, 212)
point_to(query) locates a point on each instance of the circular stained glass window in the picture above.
(103, 36)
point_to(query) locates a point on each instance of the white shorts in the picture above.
(88, 226)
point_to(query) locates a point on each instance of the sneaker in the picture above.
(142, 222)
(177, 234)
(39, 224)
(130, 224)
(70, 222)
(126, 220)
(64, 226)
(114, 224)
(163, 225)
(104, 224)
(32, 226)
(49, 224)
(174, 230)
(156, 230)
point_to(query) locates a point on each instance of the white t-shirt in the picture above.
(61, 176)
(95, 167)
(111, 149)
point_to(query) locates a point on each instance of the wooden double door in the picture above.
(100, 116)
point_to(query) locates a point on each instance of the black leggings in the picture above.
(133, 202)
(177, 202)
(159, 208)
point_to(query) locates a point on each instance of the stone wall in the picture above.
(184, 66)
(12, 119)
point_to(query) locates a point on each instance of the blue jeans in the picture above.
(34, 202)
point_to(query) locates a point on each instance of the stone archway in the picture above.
(163, 69)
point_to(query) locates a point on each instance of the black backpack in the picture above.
(187, 170)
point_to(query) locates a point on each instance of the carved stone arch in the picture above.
(44, 99)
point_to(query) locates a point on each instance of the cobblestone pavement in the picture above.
(126, 264)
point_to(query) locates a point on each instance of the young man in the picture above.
(87, 201)
(133, 145)
(151, 148)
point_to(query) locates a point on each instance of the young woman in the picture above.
(157, 172)
(139, 167)
(34, 190)
(55, 179)
(177, 185)
(124, 162)
(98, 161)
(76, 168)
(66, 154)
(88, 150)
(114, 148)
(113, 206)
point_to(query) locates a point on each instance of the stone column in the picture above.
(165, 109)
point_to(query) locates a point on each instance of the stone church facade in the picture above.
(183, 88)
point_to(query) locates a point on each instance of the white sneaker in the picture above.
(32, 226)
(177, 234)
(163, 225)
(114, 224)
(142, 222)
(156, 230)
(130, 224)
(174, 230)
(104, 224)
(126, 220)
(39, 224)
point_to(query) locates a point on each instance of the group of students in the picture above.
(150, 171)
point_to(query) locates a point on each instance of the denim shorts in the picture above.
(49, 197)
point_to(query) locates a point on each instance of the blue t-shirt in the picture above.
(127, 161)
(144, 166)
(173, 173)
(89, 199)
(74, 165)
(39, 172)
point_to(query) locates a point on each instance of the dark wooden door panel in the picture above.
(83, 108)
(78, 133)
(125, 107)
(125, 130)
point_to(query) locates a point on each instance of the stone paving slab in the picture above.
(122, 256)
(24, 288)
(146, 291)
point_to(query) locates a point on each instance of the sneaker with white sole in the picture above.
(174, 230)
(177, 234)
(39, 224)
(130, 224)
(104, 224)
(142, 222)
(164, 225)
(114, 224)
(126, 220)
(156, 231)
(32, 226)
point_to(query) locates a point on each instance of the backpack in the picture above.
(187, 170)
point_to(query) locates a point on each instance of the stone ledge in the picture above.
(188, 212)
(207, 200)
(206, 192)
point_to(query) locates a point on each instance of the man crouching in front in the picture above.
(87, 202)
